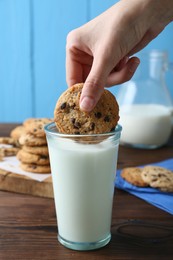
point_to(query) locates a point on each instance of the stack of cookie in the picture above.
(33, 155)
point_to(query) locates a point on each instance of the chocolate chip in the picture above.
(72, 120)
(107, 119)
(92, 126)
(63, 105)
(72, 106)
(98, 115)
(161, 175)
(77, 125)
(77, 133)
(43, 156)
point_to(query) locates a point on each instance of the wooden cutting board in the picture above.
(25, 185)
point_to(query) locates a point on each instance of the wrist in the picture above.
(161, 10)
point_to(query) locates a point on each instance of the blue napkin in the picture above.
(162, 200)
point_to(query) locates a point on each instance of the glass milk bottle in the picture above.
(145, 104)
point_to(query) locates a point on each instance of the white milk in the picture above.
(83, 179)
(148, 125)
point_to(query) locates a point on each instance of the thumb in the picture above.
(94, 85)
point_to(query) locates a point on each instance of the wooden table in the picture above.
(28, 228)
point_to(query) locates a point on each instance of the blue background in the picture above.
(32, 52)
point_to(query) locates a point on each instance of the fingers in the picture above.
(125, 74)
(78, 66)
(78, 59)
(91, 93)
(94, 84)
(73, 69)
(98, 79)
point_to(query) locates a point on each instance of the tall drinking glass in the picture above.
(83, 172)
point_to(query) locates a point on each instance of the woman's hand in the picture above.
(97, 53)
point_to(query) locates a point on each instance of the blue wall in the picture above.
(32, 52)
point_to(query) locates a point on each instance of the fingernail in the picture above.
(134, 65)
(87, 104)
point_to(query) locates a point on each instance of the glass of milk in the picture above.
(83, 172)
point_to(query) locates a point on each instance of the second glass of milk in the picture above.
(83, 172)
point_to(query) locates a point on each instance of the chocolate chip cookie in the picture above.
(17, 132)
(133, 175)
(31, 120)
(35, 168)
(158, 177)
(30, 158)
(69, 119)
(7, 140)
(36, 126)
(40, 150)
(1, 155)
(9, 151)
(31, 140)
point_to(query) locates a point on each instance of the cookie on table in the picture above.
(9, 151)
(36, 126)
(30, 158)
(31, 140)
(17, 132)
(40, 150)
(8, 140)
(1, 155)
(69, 119)
(158, 177)
(133, 175)
(35, 168)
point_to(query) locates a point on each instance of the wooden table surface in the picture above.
(28, 228)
